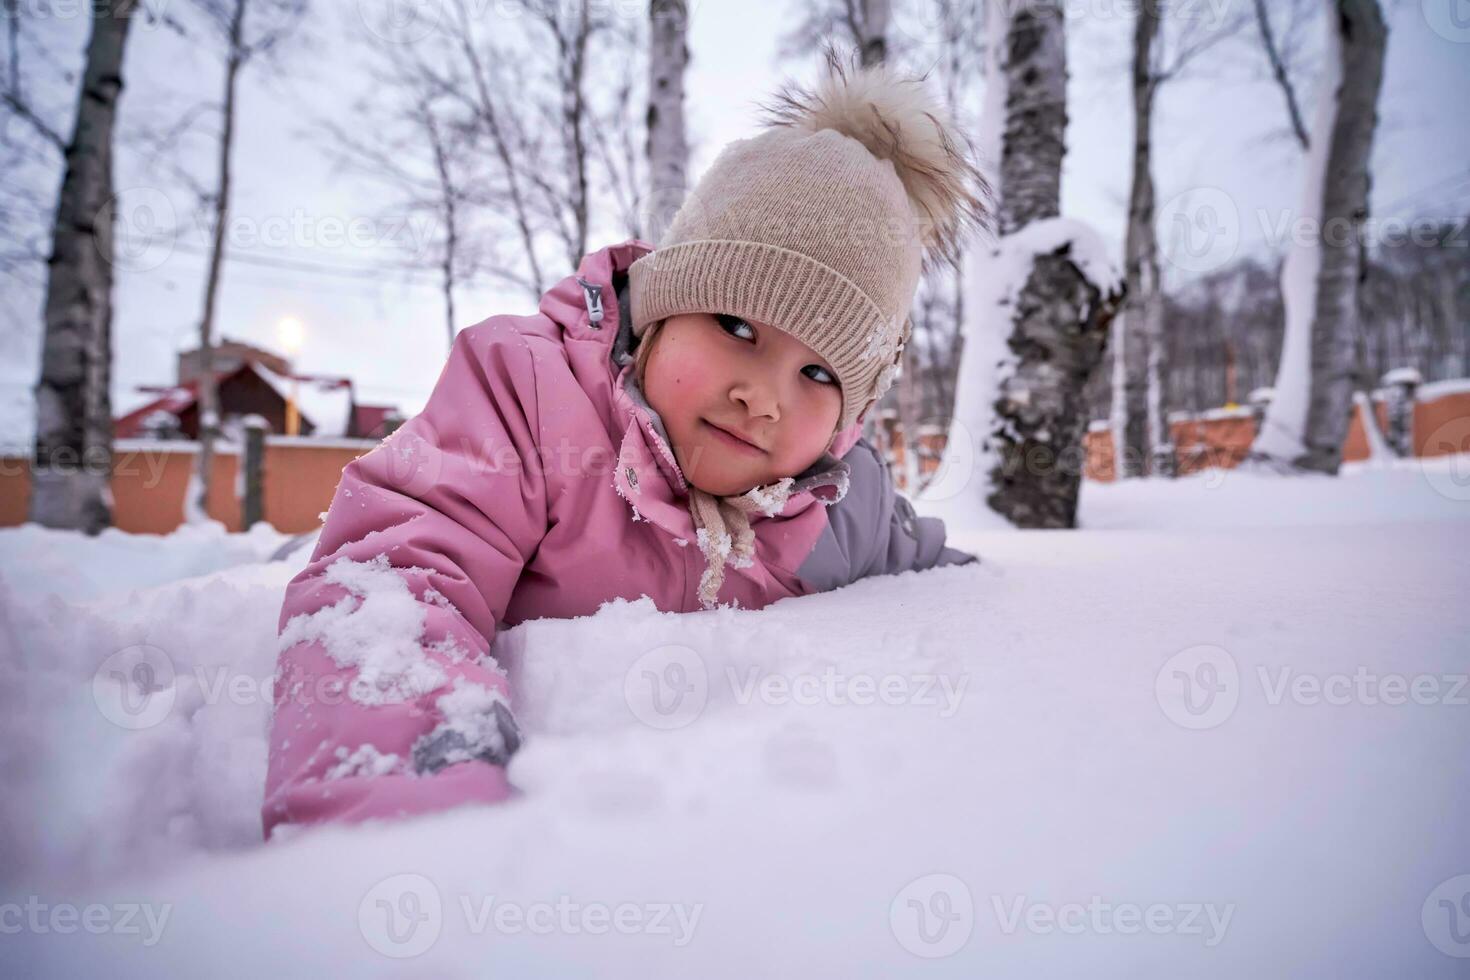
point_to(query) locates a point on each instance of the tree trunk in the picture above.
(873, 42)
(1033, 141)
(1140, 429)
(1060, 334)
(1308, 417)
(1363, 36)
(72, 466)
(197, 509)
(1060, 313)
(1132, 350)
(667, 147)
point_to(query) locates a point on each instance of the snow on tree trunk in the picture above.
(1310, 412)
(72, 465)
(960, 486)
(1280, 436)
(668, 148)
(1059, 320)
(1040, 299)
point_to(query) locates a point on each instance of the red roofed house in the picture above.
(252, 381)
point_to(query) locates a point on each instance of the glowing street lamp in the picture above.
(292, 334)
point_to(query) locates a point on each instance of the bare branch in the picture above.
(1278, 71)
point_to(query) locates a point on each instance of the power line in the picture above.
(315, 268)
(375, 271)
(1463, 178)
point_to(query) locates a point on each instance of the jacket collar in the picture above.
(594, 304)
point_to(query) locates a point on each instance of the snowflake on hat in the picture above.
(884, 381)
(881, 341)
(885, 377)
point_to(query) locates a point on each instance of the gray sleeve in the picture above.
(873, 530)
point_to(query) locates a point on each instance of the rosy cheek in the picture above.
(689, 370)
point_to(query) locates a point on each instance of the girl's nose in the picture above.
(760, 400)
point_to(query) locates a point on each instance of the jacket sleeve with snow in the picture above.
(386, 701)
(873, 530)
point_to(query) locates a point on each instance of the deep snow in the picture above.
(1030, 788)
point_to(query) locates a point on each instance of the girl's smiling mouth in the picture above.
(732, 440)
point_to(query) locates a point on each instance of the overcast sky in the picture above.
(1219, 137)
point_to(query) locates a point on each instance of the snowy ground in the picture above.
(1222, 733)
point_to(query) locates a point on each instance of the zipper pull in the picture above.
(592, 292)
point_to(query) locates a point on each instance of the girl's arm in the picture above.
(386, 700)
(873, 530)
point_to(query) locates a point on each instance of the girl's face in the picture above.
(744, 403)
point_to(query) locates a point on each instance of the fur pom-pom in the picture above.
(896, 119)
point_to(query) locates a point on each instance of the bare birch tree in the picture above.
(667, 146)
(228, 19)
(1137, 422)
(535, 149)
(1309, 414)
(1044, 295)
(420, 145)
(72, 464)
(1166, 40)
(593, 47)
(954, 51)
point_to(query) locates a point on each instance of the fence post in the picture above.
(252, 510)
(1399, 385)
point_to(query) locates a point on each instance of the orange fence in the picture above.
(150, 478)
(1223, 437)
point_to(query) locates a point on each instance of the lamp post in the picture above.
(292, 333)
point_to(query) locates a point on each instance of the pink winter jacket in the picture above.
(537, 482)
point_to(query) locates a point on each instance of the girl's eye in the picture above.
(727, 322)
(732, 324)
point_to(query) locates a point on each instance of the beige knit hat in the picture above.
(822, 224)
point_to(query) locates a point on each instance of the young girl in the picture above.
(681, 423)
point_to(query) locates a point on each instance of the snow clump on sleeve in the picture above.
(377, 628)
